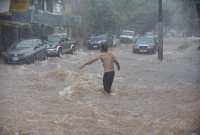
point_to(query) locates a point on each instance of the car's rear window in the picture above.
(26, 44)
(145, 40)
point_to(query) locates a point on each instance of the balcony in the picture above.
(47, 18)
(35, 16)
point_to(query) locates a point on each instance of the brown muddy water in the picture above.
(54, 97)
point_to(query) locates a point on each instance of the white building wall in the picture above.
(4, 6)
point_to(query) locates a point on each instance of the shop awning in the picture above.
(13, 24)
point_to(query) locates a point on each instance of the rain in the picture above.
(43, 44)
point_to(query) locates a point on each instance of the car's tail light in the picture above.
(20, 54)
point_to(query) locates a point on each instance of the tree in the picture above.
(139, 15)
(114, 15)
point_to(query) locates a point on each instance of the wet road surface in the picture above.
(54, 97)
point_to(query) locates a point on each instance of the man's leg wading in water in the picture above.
(108, 80)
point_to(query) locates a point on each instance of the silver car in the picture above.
(26, 51)
(58, 44)
(145, 45)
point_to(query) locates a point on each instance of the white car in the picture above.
(127, 36)
(116, 41)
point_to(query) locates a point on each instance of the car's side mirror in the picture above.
(38, 46)
(45, 42)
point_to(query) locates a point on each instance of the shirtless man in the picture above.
(108, 61)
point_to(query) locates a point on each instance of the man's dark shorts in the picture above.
(108, 80)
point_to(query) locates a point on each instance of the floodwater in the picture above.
(150, 97)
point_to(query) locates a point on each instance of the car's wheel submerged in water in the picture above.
(59, 53)
(31, 60)
(44, 56)
(154, 51)
(73, 49)
(135, 51)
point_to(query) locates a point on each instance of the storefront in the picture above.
(25, 19)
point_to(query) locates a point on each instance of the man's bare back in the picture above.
(108, 61)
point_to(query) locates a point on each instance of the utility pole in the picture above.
(160, 30)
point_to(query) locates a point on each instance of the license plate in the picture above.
(15, 59)
(143, 50)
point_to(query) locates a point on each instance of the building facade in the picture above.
(21, 19)
(192, 16)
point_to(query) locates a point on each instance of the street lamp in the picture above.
(160, 30)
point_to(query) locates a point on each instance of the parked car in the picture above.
(149, 34)
(95, 42)
(145, 45)
(127, 36)
(116, 41)
(26, 51)
(58, 44)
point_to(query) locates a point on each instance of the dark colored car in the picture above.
(26, 51)
(145, 45)
(58, 44)
(95, 42)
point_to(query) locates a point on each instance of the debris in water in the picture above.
(70, 91)
(4, 131)
(23, 132)
(77, 82)
(58, 74)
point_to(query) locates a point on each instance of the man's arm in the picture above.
(89, 62)
(116, 63)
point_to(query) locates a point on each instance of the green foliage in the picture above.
(114, 15)
(139, 15)
(100, 16)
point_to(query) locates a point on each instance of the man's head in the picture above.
(104, 48)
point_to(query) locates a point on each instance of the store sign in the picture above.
(4, 6)
(20, 5)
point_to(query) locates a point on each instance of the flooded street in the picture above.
(150, 97)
